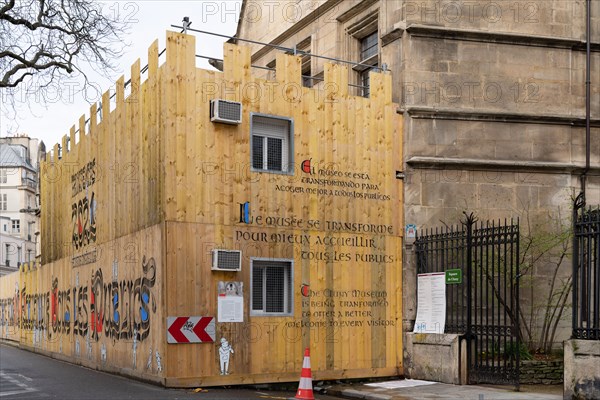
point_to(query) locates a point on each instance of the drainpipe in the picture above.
(587, 95)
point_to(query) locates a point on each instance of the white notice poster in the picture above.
(230, 302)
(431, 303)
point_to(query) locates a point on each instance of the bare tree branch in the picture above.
(43, 40)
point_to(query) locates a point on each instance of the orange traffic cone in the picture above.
(305, 389)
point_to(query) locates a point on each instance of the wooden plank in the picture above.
(127, 167)
(152, 112)
(288, 72)
(109, 123)
(204, 169)
(104, 199)
(119, 142)
(169, 127)
(180, 116)
(133, 179)
(145, 170)
(190, 138)
(68, 164)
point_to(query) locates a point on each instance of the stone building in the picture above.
(19, 211)
(493, 96)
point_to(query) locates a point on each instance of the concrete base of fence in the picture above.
(435, 357)
(582, 369)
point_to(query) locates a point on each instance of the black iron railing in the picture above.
(484, 305)
(586, 272)
(441, 249)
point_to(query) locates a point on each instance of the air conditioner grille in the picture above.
(230, 110)
(229, 260)
(227, 112)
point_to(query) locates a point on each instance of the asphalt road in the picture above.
(26, 375)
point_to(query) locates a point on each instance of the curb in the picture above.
(357, 394)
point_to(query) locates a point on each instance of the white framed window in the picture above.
(271, 283)
(3, 176)
(271, 144)
(6, 253)
(3, 202)
(16, 226)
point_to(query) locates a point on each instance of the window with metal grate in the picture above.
(271, 287)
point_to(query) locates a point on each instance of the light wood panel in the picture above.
(168, 183)
(354, 140)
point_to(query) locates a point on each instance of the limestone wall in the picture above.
(582, 366)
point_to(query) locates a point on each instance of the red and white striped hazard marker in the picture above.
(305, 389)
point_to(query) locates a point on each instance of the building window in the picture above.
(365, 82)
(304, 49)
(16, 226)
(272, 67)
(307, 79)
(271, 144)
(3, 202)
(3, 176)
(369, 55)
(363, 36)
(368, 46)
(271, 285)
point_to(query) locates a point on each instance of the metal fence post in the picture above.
(469, 222)
(578, 204)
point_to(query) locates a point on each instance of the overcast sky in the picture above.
(149, 20)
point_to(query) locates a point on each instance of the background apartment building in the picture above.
(19, 210)
(493, 97)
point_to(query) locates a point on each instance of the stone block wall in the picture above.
(535, 372)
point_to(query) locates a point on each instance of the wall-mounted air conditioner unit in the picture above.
(226, 112)
(226, 260)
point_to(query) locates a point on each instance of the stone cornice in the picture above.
(495, 116)
(439, 32)
(420, 162)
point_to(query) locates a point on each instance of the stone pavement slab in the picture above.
(407, 389)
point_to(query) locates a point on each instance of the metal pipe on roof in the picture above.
(588, 83)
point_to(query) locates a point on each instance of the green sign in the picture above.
(453, 276)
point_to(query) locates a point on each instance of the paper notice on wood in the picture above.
(431, 303)
(230, 302)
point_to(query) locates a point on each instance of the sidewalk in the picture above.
(407, 389)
